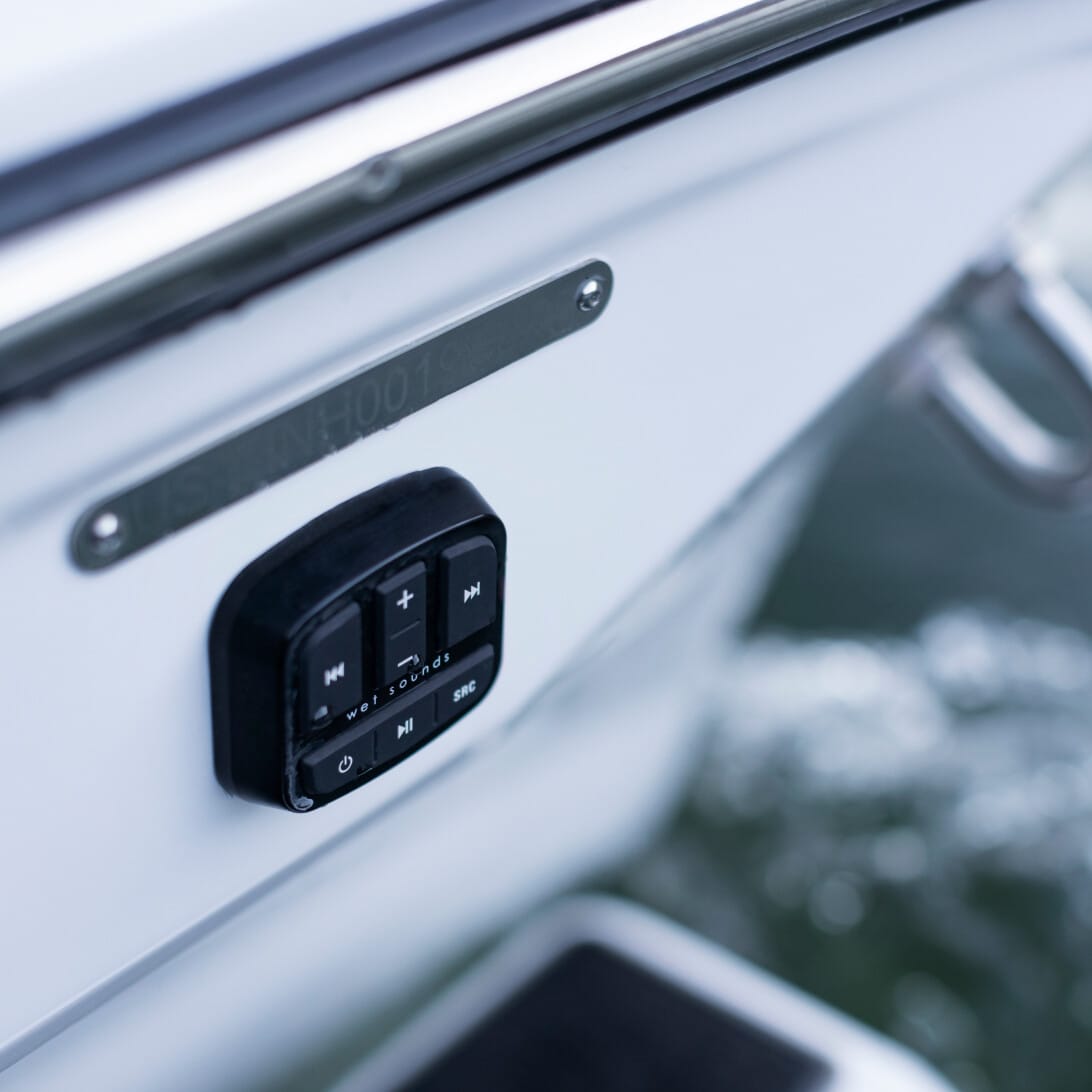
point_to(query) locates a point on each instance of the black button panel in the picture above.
(356, 640)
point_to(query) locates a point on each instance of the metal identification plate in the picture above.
(369, 400)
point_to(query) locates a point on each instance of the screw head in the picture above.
(106, 532)
(378, 178)
(590, 294)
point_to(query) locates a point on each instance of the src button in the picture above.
(470, 587)
(466, 685)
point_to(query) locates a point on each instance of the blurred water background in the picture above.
(890, 802)
(894, 805)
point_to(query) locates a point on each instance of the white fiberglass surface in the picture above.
(81, 250)
(765, 248)
(76, 68)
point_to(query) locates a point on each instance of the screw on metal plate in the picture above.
(106, 533)
(590, 294)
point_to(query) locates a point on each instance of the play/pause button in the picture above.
(408, 724)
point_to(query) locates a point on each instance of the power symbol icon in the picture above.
(346, 764)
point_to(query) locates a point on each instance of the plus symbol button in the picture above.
(404, 601)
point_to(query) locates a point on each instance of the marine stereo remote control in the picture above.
(356, 640)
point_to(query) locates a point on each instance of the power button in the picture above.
(342, 760)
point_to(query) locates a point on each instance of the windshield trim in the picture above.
(127, 270)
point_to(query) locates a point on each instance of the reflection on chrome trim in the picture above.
(1023, 285)
(135, 266)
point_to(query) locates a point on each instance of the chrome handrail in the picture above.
(129, 268)
(1028, 285)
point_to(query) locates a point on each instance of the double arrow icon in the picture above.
(472, 592)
